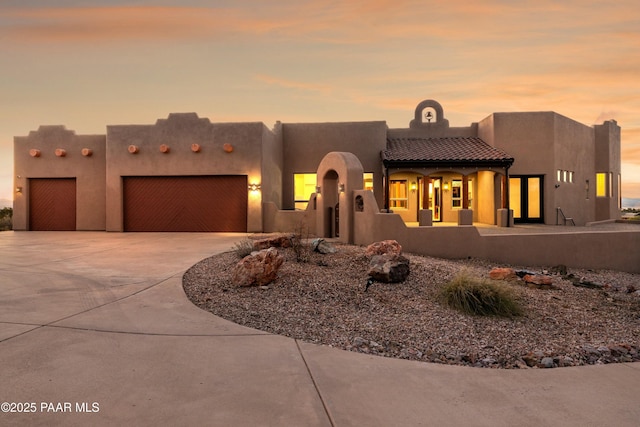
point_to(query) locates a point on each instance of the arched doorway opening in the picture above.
(331, 202)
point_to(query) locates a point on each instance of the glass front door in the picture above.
(435, 198)
(525, 198)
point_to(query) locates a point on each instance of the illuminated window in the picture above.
(559, 175)
(610, 185)
(398, 196)
(619, 192)
(570, 176)
(601, 185)
(368, 181)
(304, 184)
(456, 193)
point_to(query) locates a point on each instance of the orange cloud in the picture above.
(355, 21)
(291, 84)
(87, 25)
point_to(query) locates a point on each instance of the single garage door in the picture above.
(185, 203)
(52, 204)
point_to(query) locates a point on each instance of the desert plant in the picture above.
(6, 215)
(300, 243)
(243, 248)
(479, 296)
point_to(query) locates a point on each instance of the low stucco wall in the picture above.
(594, 250)
(276, 220)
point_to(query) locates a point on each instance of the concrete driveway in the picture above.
(96, 330)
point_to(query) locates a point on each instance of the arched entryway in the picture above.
(339, 174)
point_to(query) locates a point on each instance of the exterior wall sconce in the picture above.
(87, 152)
(133, 149)
(228, 148)
(195, 148)
(586, 188)
(414, 186)
(341, 188)
(254, 188)
(19, 190)
(34, 152)
(61, 152)
(164, 148)
(318, 189)
(446, 186)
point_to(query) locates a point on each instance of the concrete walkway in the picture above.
(96, 330)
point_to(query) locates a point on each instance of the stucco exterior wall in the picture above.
(485, 208)
(305, 144)
(179, 132)
(575, 152)
(272, 165)
(607, 159)
(596, 250)
(544, 142)
(88, 169)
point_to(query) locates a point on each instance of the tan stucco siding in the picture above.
(179, 132)
(305, 145)
(87, 168)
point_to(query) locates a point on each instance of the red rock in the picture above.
(283, 241)
(384, 247)
(538, 279)
(260, 268)
(502, 273)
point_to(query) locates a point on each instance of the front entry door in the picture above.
(435, 198)
(526, 198)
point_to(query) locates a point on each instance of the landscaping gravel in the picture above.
(323, 301)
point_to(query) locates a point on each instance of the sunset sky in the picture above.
(92, 63)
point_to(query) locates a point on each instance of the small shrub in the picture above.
(6, 222)
(243, 248)
(300, 243)
(481, 297)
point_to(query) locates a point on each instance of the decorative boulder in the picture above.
(260, 268)
(539, 281)
(283, 241)
(384, 247)
(389, 268)
(499, 273)
(322, 246)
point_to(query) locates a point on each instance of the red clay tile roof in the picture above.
(443, 150)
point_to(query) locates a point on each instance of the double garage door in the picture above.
(182, 203)
(185, 203)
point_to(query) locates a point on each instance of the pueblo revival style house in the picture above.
(184, 173)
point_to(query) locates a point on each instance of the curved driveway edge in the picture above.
(96, 330)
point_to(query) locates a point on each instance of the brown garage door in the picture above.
(52, 204)
(185, 203)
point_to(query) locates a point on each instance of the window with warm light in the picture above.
(456, 193)
(398, 195)
(304, 184)
(368, 181)
(601, 185)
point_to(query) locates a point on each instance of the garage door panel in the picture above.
(192, 203)
(52, 204)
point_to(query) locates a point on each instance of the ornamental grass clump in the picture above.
(482, 297)
(244, 248)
